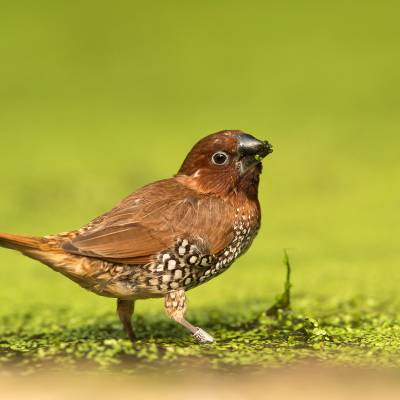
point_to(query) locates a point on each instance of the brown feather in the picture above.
(151, 220)
(19, 242)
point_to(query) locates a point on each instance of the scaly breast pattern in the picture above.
(186, 265)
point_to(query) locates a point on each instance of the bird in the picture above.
(167, 237)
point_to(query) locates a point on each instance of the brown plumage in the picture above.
(168, 236)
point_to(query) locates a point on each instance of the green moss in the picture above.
(357, 332)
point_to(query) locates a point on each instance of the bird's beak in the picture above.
(251, 150)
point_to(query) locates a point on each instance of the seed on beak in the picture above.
(270, 149)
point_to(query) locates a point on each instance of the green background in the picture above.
(99, 98)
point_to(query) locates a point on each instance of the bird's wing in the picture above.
(152, 220)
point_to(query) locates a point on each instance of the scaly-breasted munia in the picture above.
(169, 236)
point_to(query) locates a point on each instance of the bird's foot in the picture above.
(202, 336)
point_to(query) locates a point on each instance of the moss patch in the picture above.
(357, 332)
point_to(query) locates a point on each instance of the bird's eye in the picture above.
(220, 158)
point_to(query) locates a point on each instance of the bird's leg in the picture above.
(175, 307)
(125, 310)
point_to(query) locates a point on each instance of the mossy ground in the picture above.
(359, 332)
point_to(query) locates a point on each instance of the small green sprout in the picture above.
(283, 302)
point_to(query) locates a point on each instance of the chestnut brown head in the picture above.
(226, 161)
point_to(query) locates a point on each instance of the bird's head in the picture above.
(226, 161)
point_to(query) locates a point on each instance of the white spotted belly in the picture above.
(184, 266)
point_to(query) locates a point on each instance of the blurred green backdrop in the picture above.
(99, 98)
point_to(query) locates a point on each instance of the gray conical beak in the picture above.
(250, 146)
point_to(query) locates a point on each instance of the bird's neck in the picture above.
(242, 193)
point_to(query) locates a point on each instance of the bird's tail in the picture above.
(46, 250)
(20, 243)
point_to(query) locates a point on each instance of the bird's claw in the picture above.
(202, 336)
